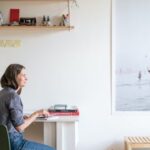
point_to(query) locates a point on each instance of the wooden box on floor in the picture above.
(137, 142)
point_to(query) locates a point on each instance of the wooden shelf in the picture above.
(25, 27)
(30, 0)
(38, 27)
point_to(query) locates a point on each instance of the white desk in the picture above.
(59, 132)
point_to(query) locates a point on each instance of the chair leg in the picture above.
(125, 145)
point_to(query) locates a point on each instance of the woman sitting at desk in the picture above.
(11, 109)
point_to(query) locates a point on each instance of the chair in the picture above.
(4, 138)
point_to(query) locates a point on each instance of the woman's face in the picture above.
(21, 78)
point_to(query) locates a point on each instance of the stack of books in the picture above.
(63, 110)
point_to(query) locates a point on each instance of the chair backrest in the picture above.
(4, 138)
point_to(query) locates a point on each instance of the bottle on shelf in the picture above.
(48, 21)
(44, 21)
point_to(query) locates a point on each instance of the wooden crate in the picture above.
(137, 142)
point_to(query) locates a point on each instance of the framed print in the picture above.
(130, 56)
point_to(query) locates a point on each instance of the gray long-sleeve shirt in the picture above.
(11, 109)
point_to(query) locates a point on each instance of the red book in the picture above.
(14, 15)
(64, 113)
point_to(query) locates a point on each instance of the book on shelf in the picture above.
(14, 15)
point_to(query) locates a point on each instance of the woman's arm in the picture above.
(31, 119)
(15, 108)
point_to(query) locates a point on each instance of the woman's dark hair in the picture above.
(8, 79)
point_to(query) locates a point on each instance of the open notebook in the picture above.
(46, 118)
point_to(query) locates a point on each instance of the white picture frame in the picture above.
(130, 57)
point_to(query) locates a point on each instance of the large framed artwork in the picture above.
(131, 55)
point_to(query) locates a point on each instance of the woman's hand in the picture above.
(26, 116)
(42, 112)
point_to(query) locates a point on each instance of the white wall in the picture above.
(74, 68)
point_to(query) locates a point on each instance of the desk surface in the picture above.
(59, 119)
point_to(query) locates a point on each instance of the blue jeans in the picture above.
(30, 145)
(17, 142)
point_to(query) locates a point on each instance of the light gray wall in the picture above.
(74, 68)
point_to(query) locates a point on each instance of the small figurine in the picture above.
(1, 18)
(64, 20)
(48, 21)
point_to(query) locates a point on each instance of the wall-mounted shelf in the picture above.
(28, 27)
(38, 27)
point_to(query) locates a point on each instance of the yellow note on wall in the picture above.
(10, 43)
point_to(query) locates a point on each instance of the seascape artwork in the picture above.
(133, 90)
(131, 51)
